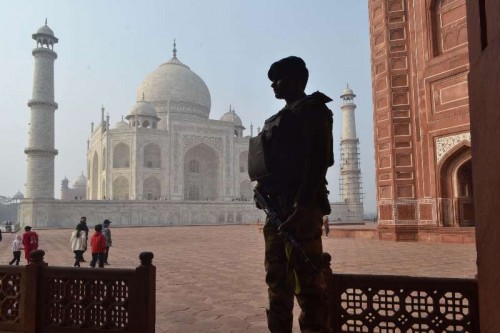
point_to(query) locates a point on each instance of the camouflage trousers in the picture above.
(287, 275)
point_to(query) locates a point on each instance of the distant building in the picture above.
(165, 163)
(77, 192)
(167, 148)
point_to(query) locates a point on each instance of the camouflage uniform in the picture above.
(298, 147)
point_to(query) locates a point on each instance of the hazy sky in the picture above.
(106, 48)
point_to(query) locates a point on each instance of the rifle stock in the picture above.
(264, 201)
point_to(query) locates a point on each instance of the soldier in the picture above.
(294, 153)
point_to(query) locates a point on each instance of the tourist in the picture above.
(83, 226)
(17, 246)
(78, 243)
(98, 246)
(326, 225)
(107, 234)
(30, 242)
(292, 155)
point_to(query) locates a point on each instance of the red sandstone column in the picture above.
(484, 79)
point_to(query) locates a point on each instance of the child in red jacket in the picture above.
(98, 246)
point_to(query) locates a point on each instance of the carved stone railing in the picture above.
(371, 303)
(40, 298)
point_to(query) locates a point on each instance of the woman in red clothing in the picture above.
(30, 242)
(98, 246)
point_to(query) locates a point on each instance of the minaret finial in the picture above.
(143, 95)
(175, 50)
(230, 108)
(45, 21)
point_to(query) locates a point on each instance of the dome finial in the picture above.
(45, 21)
(175, 50)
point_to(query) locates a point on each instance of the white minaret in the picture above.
(350, 172)
(40, 151)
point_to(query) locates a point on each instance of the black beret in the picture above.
(290, 68)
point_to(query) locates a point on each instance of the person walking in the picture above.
(326, 225)
(290, 158)
(17, 246)
(109, 242)
(98, 246)
(30, 242)
(83, 226)
(78, 243)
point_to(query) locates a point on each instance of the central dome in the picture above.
(175, 86)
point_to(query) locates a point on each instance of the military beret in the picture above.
(290, 67)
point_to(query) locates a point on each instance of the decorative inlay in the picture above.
(445, 144)
(192, 140)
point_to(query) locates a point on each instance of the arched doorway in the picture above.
(95, 177)
(121, 188)
(201, 173)
(455, 187)
(151, 189)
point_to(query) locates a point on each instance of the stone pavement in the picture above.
(211, 278)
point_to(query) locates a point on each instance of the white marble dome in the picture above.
(232, 117)
(348, 92)
(121, 125)
(18, 196)
(143, 108)
(45, 30)
(175, 84)
(81, 181)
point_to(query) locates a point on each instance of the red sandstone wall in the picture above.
(484, 83)
(419, 74)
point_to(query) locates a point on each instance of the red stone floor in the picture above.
(211, 278)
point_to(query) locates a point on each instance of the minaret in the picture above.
(40, 150)
(350, 172)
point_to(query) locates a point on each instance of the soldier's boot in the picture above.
(279, 324)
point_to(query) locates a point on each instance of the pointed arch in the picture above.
(152, 156)
(121, 188)
(448, 25)
(95, 177)
(151, 188)
(201, 173)
(455, 186)
(121, 156)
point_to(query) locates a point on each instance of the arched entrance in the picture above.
(201, 173)
(95, 177)
(455, 187)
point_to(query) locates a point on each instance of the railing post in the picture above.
(146, 280)
(328, 275)
(32, 309)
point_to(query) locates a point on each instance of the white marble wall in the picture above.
(59, 213)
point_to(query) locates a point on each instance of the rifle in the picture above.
(264, 201)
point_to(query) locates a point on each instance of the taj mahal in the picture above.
(165, 163)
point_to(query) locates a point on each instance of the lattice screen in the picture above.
(87, 303)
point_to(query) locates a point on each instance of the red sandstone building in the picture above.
(420, 64)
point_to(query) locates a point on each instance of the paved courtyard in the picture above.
(211, 279)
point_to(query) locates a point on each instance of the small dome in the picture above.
(18, 196)
(347, 92)
(45, 30)
(80, 181)
(121, 124)
(143, 108)
(232, 117)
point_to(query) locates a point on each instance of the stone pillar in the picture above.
(40, 150)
